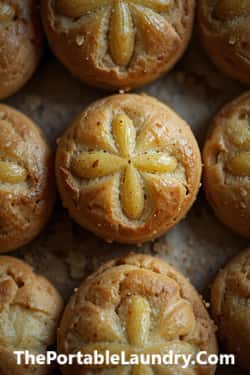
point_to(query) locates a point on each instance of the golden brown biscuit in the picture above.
(20, 44)
(27, 191)
(118, 44)
(227, 165)
(225, 33)
(128, 168)
(136, 304)
(231, 309)
(30, 308)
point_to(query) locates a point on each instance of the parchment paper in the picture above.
(199, 245)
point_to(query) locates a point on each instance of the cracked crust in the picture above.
(154, 40)
(27, 191)
(137, 177)
(225, 34)
(231, 307)
(228, 191)
(20, 45)
(30, 308)
(138, 304)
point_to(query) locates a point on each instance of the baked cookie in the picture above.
(136, 304)
(27, 189)
(20, 44)
(118, 44)
(30, 308)
(227, 165)
(231, 308)
(128, 168)
(225, 33)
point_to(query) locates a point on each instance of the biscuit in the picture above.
(225, 34)
(20, 44)
(227, 165)
(118, 44)
(27, 188)
(136, 304)
(230, 307)
(128, 168)
(30, 308)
